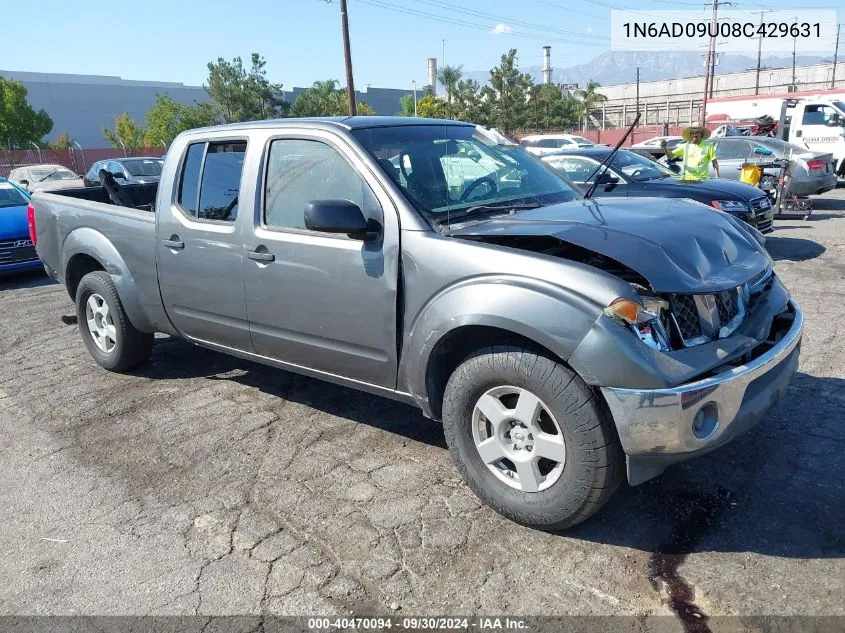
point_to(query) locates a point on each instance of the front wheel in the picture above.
(530, 437)
(108, 334)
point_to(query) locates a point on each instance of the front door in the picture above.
(820, 129)
(321, 301)
(200, 248)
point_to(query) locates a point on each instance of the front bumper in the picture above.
(659, 427)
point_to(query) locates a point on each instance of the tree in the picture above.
(552, 110)
(449, 76)
(511, 90)
(589, 97)
(168, 118)
(242, 95)
(468, 105)
(126, 131)
(63, 141)
(321, 99)
(406, 102)
(20, 124)
(432, 107)
(325, 98)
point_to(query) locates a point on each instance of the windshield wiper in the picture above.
(480, 209)
(598, 173)
(47, 176)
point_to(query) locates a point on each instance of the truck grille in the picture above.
(699, 318)
(686, 316)
(726, 303)
(17, 251)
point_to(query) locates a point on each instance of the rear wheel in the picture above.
(530, 437)
(108, 334)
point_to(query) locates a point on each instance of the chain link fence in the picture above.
(77, 159)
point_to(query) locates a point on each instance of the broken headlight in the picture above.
(643, 319)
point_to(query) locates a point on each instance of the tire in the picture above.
(111, 340)
(569, 490)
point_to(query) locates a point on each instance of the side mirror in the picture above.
(608, 179)
(24, 183)
(118, 174)
(338, 216)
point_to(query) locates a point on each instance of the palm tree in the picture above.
(589, 99)
(449, 76)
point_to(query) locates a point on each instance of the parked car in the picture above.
(44, 177)
(563, 342)
(138, 170)
(651, 148)
(540, 144)
(633, 175)
(813, 172)
(17, 252)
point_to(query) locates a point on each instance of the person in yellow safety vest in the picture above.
(697, 154)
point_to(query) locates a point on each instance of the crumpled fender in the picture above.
(554, 317)
(88, 241)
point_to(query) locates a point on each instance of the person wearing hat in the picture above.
(697, 154)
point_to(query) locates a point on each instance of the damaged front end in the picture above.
(682, 373)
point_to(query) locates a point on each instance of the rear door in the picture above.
(200, 250)
(316, 300)
(731, 153)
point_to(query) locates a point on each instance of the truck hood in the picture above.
(677, 245)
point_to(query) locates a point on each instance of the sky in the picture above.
(173, 40)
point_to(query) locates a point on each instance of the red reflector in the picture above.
(815, 164)
(30, 220)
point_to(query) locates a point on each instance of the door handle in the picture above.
(261, 256)
(798, 133)
(177, 244)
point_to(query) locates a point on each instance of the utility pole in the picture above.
(710, 50)
(835, 58)
(347, 53)
(794, 43)
(759, 50)
(638, 96)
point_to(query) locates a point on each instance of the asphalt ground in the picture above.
(205, 484)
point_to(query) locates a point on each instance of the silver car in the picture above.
(45, 177)
(813, 172)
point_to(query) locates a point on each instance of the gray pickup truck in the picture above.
(559, 339)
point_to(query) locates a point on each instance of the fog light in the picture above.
(705, 422)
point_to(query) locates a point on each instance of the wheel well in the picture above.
(453, 349)
(79, 266)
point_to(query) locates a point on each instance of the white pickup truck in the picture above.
(817, 123)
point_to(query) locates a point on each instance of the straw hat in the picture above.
(687, 133)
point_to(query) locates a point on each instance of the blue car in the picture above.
(17, 253)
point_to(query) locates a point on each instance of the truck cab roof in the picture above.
(346, 122)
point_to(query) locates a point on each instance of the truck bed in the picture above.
(85, 223)
(143, 196)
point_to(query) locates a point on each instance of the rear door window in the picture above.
(211, 180)
(733, 150)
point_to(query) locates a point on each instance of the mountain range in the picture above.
(619, 67)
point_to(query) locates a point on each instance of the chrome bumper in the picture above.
(658, 427)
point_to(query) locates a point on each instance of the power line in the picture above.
(439, 18)
(445, 5)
